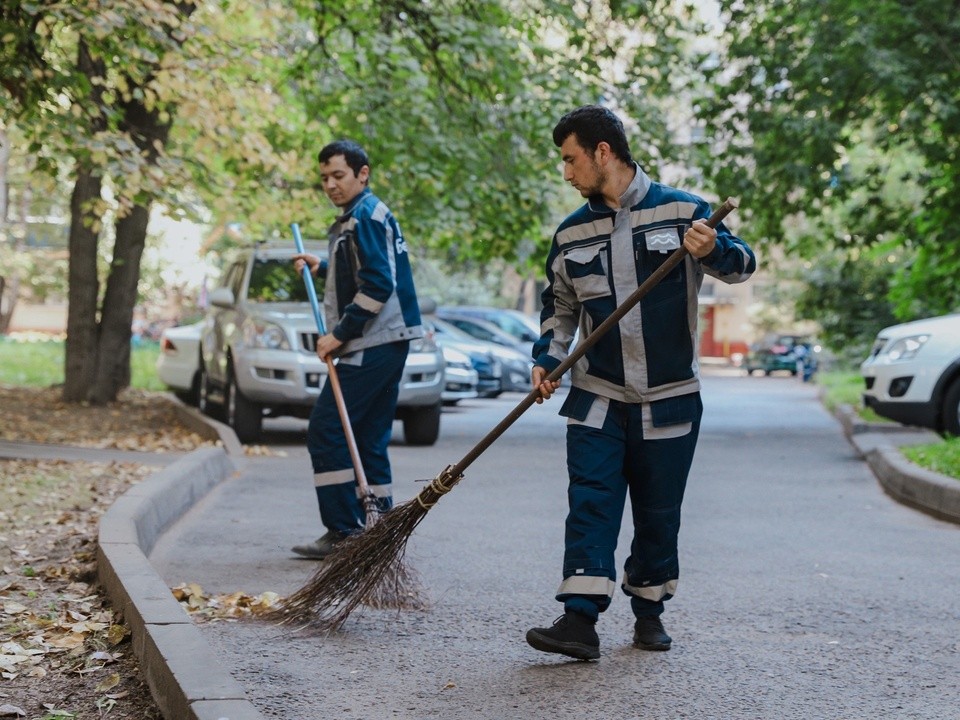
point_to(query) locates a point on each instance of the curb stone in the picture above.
(877, 443)
(184, 675)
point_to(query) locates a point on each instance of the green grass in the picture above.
(942, 457)
(846, 388)
(40, 363)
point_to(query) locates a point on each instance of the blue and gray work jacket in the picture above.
(599, 256)
(369, 297)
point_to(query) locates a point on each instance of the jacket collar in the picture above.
(635, 192)
(353, 204)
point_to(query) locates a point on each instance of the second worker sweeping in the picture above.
(371, 308)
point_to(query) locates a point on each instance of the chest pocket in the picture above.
(588, 268)
(654, 247)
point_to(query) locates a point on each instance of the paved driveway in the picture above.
(805, 591)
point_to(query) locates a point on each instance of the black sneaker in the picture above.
(321, 547)
(648, 634)
(572, 634)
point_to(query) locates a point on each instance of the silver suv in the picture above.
(258, 352)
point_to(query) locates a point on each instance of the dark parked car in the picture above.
(781, 353)
(513, 322)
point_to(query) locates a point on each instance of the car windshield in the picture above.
(276, 280)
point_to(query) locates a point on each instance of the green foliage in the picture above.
(846, 293)
(838, 122)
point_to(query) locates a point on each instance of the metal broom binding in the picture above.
(396, 585)
(362, 561)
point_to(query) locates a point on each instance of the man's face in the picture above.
(340, 183)
(581, 168)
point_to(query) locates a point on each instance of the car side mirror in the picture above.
(222, 297)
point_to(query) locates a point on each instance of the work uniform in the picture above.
(370, 305)
(634, 406)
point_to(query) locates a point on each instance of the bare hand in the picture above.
(700, 239)
(547, 389)
(326, 345)
(306, 259)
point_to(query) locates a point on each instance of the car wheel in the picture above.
(192, 396)
(951, 409)
(243, 415)
(421, 425)
(204, 404)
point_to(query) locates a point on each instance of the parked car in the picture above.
(485, 363)
(912, 374)
(460, 379)
(178, 364)
(486, 331)
(258, 352)
(513, 322)
(510, 366)
(781, 353)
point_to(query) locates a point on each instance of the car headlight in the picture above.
(262, 334)
(906, 348)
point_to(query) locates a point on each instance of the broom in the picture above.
(397, 586)
(361, 561)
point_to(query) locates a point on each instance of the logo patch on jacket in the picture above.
(662, 240)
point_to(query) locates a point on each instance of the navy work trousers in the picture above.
(370, 389)
(604, 464)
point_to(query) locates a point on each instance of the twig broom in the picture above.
(397, 585)
(355, 568)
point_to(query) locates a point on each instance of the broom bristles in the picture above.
(364, 568)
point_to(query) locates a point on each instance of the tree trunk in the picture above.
(6, 310)
(116, 316)
(81, 347)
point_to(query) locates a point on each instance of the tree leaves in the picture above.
(821, 106)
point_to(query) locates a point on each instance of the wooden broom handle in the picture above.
(347, 427)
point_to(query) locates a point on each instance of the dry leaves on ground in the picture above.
(139, 420)
(230, 606)
(64, 652)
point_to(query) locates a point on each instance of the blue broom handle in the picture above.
(308, 281)
(335, 380)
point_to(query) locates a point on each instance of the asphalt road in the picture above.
(805, 592)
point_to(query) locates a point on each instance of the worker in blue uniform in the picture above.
(633, 411)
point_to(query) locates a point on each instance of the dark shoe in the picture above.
(321, 547)
(648, 634)
(572, 634)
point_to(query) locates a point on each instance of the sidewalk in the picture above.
(186, 678)
(877, 444)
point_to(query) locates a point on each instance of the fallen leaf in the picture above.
(11, 711)
(108, 683)
(116, 634)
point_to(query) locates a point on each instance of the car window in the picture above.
(234, 278)
(276, 280)
(476, 330)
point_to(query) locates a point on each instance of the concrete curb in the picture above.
(877, 443)
(207, 427)
(184, 676)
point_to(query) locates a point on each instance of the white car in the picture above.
(913, 374)
(178, 365)
(459, 378)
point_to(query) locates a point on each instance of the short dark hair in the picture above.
(355, 156)
(592, 125)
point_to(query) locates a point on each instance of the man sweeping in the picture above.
(633, 411)
(372, 314)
